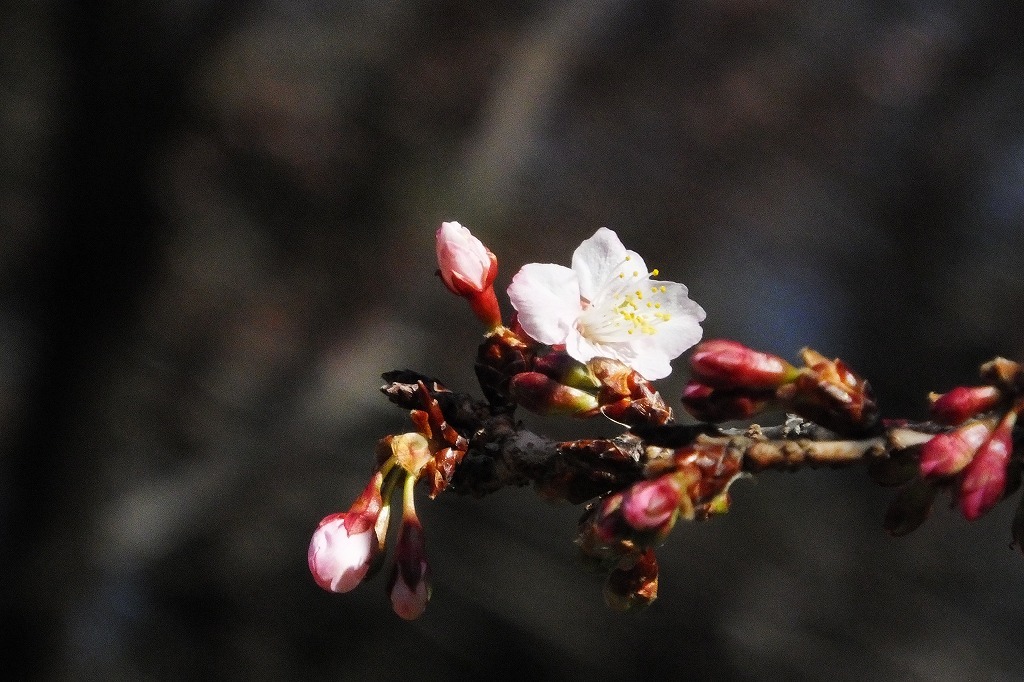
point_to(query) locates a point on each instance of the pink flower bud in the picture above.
(985, 477)
(948, 453)
(728, 364)
(963, 402)
(543, 395)
(468, 269)
(467, 266)
(409, 584)
(650, 505)
(339, 560)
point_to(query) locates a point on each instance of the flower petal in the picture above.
(600, 259)
(547, 298)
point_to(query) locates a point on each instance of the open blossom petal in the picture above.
(608, 305)
(600, 259)
(547, 298)
(337, 560)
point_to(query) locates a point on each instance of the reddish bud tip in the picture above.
(984, 478)
(651, 505)
(468, 269)
(728, 364)
(946, 454)
(963, 402)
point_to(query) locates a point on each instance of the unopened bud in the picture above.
(729, 364)
(338, 559)
(652, 505)
(709, 404)
(963, 402)
(543, 395)
(409, 583)
(468, 269)
(948, 453)
(984, 478)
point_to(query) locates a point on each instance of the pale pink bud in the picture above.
(985, 477)
(725, 363)
(409, 584)
(339, 561)
(963, 402)
(468, 269)
(948, 453)
(467, 266)
(649, 505)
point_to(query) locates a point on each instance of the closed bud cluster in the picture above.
(638, 517)
(468, 269)
(731, 381)
(626, 396)
(652, 505)
(348, 546)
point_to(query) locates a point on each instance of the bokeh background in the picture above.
(216, 231)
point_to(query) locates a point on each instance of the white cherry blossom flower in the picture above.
(607, 305)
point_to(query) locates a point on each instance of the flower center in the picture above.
(630, 303)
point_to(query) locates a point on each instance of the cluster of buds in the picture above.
(618, 532)
(973, 458)
(731, 381)
(514, 368)
(347, 547)
(559, 384)
(585, 341)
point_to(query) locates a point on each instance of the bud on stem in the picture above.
(985, 477)
(729, 364)
(963, 402)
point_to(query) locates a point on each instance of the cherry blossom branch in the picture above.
(585, 343)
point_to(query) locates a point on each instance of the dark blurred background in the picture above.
(216, 231)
